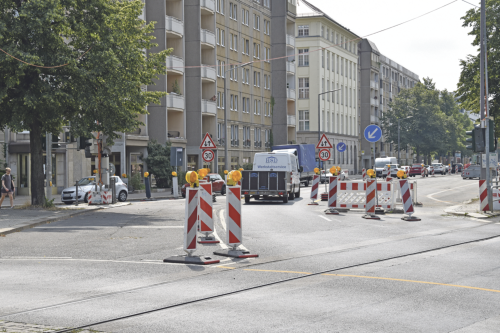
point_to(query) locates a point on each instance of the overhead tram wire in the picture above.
(271, 59)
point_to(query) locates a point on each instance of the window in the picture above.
(248, 105)
(235, 42)
(243, 108)
(222, 6)
(304, 88)
(235, 104)
(337, 64)
(258, 108)
(342, 66)
(338, 100)
(231, 76)
(327, 60)
(268, 54)
(342, 95)
(256, 22)
(328, 34)
(222, 37)
(231, 99)
(303, 120)
(328, 89)
(254, 106)
(303, 30)
(218, 99)
(322, 58)
(217, 36)
(218, 68)
(234, 135)
(222, 100)
(303, 57)
(235, 73)
(323, 89)
(248, 76)
(267, 3)
(233, 11)
(268, 27)
(323, 31)
(223, 69)
(217, 6)
(265, 81)
(230, 10)
(333, 62)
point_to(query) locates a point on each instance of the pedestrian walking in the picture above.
(7, 187)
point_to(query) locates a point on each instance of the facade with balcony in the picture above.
(318, 72)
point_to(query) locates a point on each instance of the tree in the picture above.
(82, 62)
(469, 83)
(158, 162)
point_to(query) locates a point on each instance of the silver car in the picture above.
(87, 184)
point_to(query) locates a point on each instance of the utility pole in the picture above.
(48, 164)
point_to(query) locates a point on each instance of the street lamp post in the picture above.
(226, 160)
(399, 148)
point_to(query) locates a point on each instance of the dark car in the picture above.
(459, 167)
(218, 185)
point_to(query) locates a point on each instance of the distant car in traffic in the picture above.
(457, 167)
(439, 168)
(218, 185)
(87, 184)
(415, 170)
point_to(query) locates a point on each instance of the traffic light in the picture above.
(55, 142)
(83, 142)
(493, 141)
(478, 138)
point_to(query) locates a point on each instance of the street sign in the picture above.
(208, 156)
(493, 160)
(208, 143)
(373, 133)
(324, 154)
(341, 147)
(324, 143)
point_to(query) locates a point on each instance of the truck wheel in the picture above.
(297, 195)
(306, 183)
(291, 195)
(285, 198)
(247, 199)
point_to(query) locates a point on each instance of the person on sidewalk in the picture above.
(7, 187)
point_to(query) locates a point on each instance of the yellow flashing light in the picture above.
(371, 173)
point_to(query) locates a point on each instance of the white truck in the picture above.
(275, 174)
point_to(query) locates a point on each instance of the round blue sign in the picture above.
(373, 133)
(341, 147)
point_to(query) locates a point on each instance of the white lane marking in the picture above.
(325, 218)
(430, 196)
(221, 243)
(95, 260)
(124, 227)
(223, 222)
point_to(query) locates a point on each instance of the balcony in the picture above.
(374, 85)
(374, 119)
(373, 102)
(208, 107)
(290, 94)
(290, 40)
(175, 102)
(174, 26)
(175, 64)
(290, 121)
(208, 73)
(208, 5)
(290, 67)
(257, 144)
(207, 38)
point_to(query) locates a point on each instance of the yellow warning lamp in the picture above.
(225, 172)
(95, 172)
(316, 171)
(208, 170)
(401, 174)
(234, 177)
(333, 171)
(202, 173)
(371, 173)
(339, 169)
(124, 175)
(241, 169)
(192, 178)
(174, 174)
(146, 174)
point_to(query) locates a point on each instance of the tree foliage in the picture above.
(469, 83)
(82, 62)
(158, 162)
(430, 120)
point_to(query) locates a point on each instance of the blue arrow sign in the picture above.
(373, 133)
(341, 147)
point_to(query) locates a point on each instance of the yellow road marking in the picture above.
(414, 281)
(369, 277)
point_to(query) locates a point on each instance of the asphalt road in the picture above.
(315, 272)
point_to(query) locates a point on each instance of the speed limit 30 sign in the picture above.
(324, 154)
(208, 155)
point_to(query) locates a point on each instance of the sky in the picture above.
(430, 46)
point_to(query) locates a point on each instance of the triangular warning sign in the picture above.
(324, 143)
(208, 143)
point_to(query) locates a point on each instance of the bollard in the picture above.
(371, 197)
(113, 189)
(483, 196)
(364, 174)
(148, 189)
(76, 193)
(206, 214)
(175, 187)
(314, 190)
(407, 201)
(332, 196)
(423, 171)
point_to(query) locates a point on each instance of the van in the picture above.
(381, 162)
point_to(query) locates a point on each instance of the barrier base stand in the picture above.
(207, 240)
(371, 217)
(324, 196)
(332, 211)
(410, 218)
(313, 203)
(235, 253)
(379, 211)
(418, 204)
(192, 260)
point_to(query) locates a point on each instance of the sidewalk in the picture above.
(18, 219)
(470, 209)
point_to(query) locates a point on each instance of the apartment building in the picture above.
(327, 61)
(381, 80)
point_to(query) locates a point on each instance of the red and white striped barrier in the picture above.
(407, 201)
(388, 178)
(364, 174)
(99, 198)
(422, 173)
(456, 169)
(449, 170)
(432, 171)
(206, 214)
(332, 196)
(190, 220)
(352, 195)
(413, 190)
(314, 190)
(234, 232)
(483, 196)
(371, 200)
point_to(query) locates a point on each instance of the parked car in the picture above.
(218, 185)
(474, 171)
(87, 184)
(439, 168)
